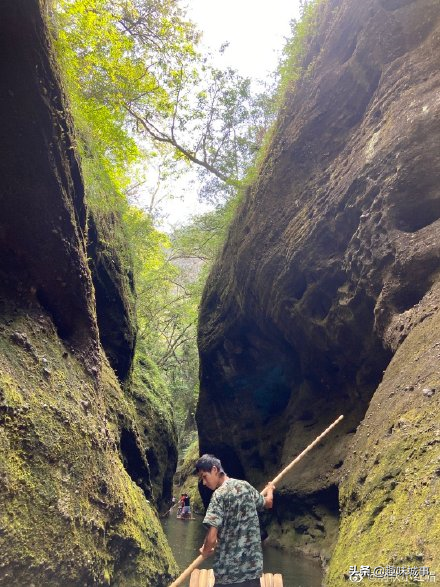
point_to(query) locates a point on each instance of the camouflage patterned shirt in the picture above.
(233, 510)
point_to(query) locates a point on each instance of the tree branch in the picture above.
(160, 136)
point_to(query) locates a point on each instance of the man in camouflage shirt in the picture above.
(234, 530)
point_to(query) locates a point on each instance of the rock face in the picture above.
(42, 198)
(73, 483)
(329, 272)
(78, 453)
(114, 293)
(155, 429)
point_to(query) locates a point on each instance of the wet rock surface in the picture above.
(79, 483)
(333, 259)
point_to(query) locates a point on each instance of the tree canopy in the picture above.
(135, 70)
(146, 102)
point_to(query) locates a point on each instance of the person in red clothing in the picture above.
(180, 505)
(186, 510)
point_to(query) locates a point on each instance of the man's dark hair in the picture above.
(206, 462)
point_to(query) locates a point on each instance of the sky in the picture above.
(256, 31)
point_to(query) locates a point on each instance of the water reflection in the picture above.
(186, 536)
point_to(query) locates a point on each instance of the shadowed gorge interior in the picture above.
(134, 463)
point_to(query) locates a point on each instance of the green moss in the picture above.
(395, 522)
(10, 396)
(389, 496)
(69, 512)
(149, 384)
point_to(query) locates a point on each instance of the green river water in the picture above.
(186, 536)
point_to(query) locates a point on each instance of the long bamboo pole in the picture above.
(187, 572)
(198, 561)
(305, 451)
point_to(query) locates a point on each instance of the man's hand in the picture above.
(206, 553)
(269, 489)
(268, 495)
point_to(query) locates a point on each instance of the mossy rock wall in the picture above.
(154, 426)
(331, 262)
(113, 282)
(43, 213)
(77, 501)
(70, 514)
(186, 481)
(390, 485)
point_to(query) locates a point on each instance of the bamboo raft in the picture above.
(205, 578)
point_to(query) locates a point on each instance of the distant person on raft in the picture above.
(233, 527)
(186, 509)
(180, 505)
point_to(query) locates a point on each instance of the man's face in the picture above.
(210, 478)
